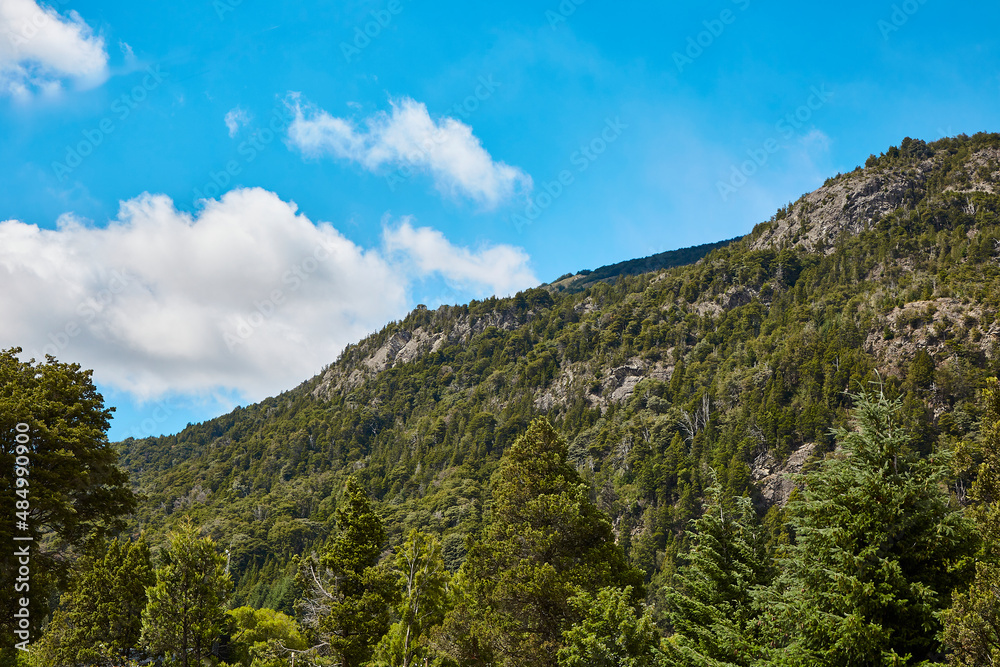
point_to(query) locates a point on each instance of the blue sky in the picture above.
(206, 200)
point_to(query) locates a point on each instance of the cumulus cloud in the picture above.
(41, 50)
(499, 269)
(408, 138)
(236, 118)
(248, 294)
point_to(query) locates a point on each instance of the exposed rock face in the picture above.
(406, 346)
(775, 482)
(605, 386)
(853, 202)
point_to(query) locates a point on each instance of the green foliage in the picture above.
(73, 488)
(544, 542)
(710, 603)
(424, 580)
(972, 623)
(878, 544)
(263, 638)
(185, 613)
(350, 593)
(99, 620)
(610, 632)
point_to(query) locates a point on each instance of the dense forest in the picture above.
(786, 452)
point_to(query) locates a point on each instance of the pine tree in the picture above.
(351, 593)
(545, 542)
(972, 623)
(710, 603)
(877, 544)
(187, 604)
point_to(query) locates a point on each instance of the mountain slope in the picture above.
(736, 364)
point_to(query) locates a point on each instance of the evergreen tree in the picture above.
(99, 621)
(972, 624)
(710, 602)
(545, 542)
(351, 594)
(424, 580)
(610, 633)
(877, 544)
(187, 604)
(61, 478)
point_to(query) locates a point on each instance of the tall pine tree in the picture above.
(350, 593)
(545, 541)
(711, 600)
(877, 544)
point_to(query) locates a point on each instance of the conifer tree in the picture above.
(710, 602)
(972, 623)
(544, 543)
(61, 479)
(351, 593)
(878, 542)
(610, 633)
(99, 621)
(187, 604)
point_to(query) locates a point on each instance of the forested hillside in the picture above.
(702, 385)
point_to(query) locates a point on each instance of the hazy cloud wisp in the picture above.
(408, 137)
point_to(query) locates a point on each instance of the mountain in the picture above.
(728, 362)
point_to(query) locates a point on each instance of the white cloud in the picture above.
(40, 50)
(502, 269)
(247, 295)
(409, 138)
(236, 118)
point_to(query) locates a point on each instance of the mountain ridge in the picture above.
(737, 363)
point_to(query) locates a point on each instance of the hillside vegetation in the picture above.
(672, 390)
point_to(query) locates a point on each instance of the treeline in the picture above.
(876, 564)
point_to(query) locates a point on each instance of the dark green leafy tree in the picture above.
(877, 550)
(350, 594)
(610, 633)
(545, 542)
(186, 611)
(710, 604)
(424, 580)
(99, 620)
(972, 623)
(72, 487)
